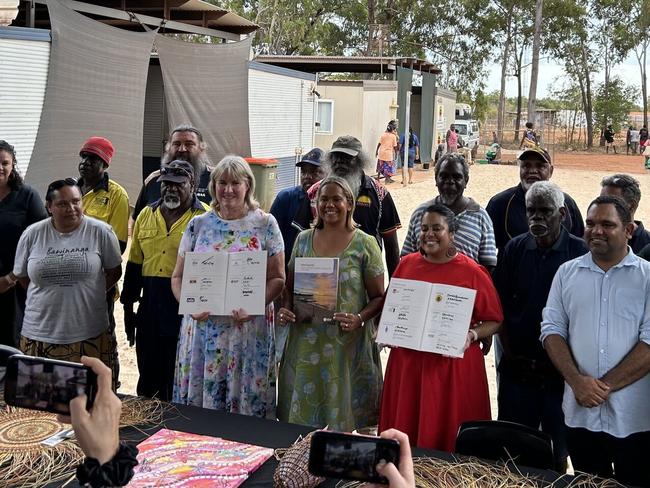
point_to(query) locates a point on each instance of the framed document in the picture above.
(219, 282)
(315, 289)
(426, 316)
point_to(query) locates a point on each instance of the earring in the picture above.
(451, 250)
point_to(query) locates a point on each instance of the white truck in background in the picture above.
(467, 127)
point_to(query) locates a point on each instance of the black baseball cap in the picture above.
(313, 157)
(176, 172)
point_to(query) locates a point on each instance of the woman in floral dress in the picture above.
(330, 372)
(227, 362)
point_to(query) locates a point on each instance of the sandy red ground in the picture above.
(620, 163)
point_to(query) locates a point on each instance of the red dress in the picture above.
(427, 395)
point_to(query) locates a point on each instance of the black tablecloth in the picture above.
(252, 430)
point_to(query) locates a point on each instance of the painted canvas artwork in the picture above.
(179, 459)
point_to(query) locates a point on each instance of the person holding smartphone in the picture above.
(107, 463)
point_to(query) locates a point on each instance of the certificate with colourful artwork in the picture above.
(315, 289)
(172, 458)
(220, 282)
(426, 316)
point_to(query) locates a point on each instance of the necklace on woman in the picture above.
(239, 216)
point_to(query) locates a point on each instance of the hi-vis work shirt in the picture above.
(152, 259)
(109, 202)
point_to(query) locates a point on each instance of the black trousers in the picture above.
(156, 364)
(611, 457)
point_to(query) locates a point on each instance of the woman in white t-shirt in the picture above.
(67, 263)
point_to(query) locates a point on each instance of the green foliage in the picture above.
(613, 103)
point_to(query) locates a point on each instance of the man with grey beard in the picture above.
(374, 213)
(185, 144)
(154, 245)
(508, 208)
(530, 388)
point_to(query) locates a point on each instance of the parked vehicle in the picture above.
(467, 127)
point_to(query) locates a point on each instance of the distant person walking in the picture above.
(635, 138)
(643, 136)
(452, 139)
(609, 139)
(386, 152)
(413, 151)
(628, 140)
(529, 138)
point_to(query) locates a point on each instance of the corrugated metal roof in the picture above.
(348, 64)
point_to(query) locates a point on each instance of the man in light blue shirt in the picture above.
(596, 330)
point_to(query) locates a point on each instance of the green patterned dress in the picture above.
(327, 376)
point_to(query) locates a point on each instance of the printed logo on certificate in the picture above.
(220, 282)
(426, 316)
(315, 289)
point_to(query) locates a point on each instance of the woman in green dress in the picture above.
(330, 373)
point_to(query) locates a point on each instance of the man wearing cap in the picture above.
(508, 208)
(288, 201)
(628, 188)
(375, 212)
(186, 144)
(103, 198)
(154, 246)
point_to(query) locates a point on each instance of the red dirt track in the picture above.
(620, 163)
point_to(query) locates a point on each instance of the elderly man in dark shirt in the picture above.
(530, 388)
(508, 208)
(627, 187)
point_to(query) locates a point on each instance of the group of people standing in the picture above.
(389, 152)
(569, 303)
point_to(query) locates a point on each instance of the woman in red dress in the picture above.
(427, 395)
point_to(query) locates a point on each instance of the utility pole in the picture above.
(534, 70)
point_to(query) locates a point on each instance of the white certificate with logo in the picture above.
(220, 282)
(426, 316)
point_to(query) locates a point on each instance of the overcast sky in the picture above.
(551, 74)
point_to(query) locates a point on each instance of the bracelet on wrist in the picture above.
(116, 472)
(474, 335)
(361, 320)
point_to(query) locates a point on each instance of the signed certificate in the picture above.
(426, 316)
(219, 282)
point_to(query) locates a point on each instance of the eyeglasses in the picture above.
(175, 172)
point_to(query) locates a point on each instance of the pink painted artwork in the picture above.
(172, 458)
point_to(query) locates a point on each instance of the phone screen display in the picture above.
(349, 456)
(45, 384)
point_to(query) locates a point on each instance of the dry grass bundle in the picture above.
(24, 461)
(472, 473)
(142, 411)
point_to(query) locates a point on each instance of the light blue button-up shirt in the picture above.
(602, 316)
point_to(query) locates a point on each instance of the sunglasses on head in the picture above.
(175, 172)
(55, 185)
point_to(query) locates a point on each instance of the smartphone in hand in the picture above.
(47, 384)
(352, 457)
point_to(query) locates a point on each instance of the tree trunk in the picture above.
(372, 20)
(589, 112)
(534, 70)
(519, 57)
(504, 68)
(641, 53)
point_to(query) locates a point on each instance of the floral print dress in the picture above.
(218, 364)
(329, 377)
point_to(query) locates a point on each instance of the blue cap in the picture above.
(313, 157)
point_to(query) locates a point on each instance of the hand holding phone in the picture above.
(353, 457)
(403, 477)
(47, 384)
(97, 431)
